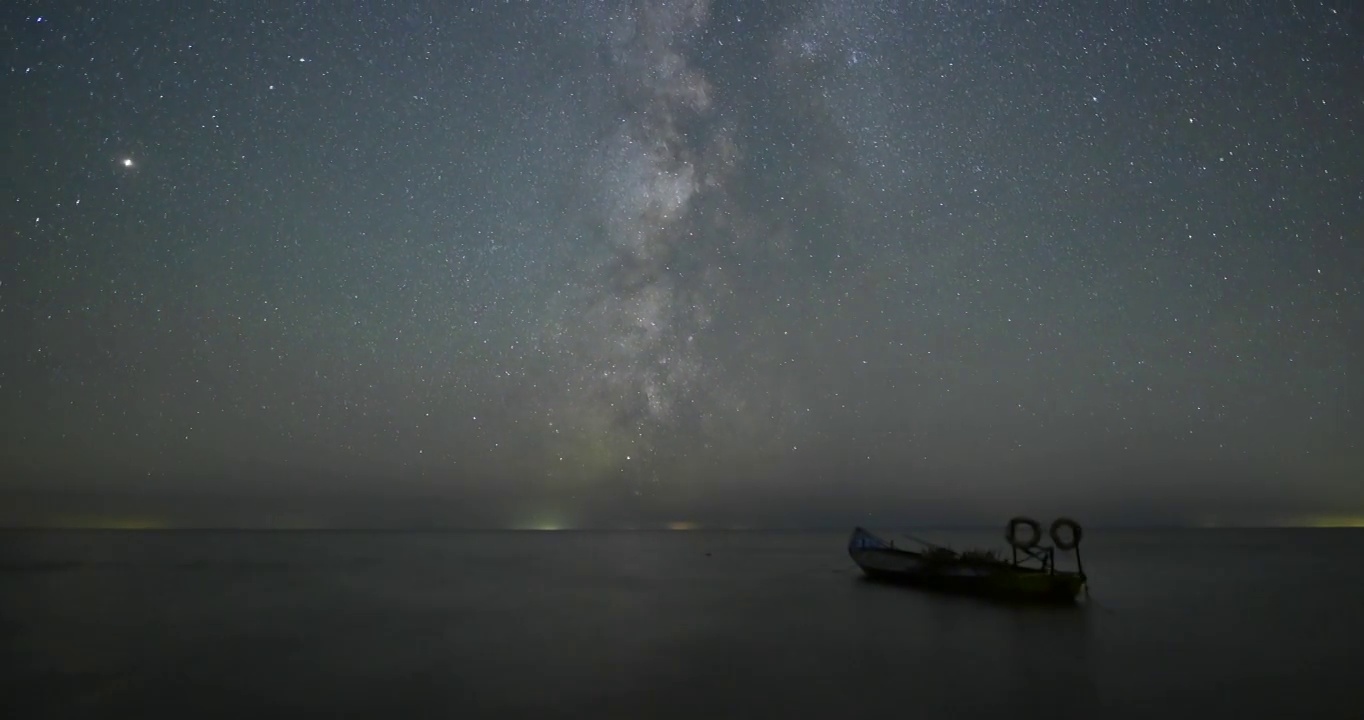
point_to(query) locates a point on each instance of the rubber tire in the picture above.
(1033, 539)
(1076, 534)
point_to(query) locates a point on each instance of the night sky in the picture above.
(570, 263)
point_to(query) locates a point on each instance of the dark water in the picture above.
(1223, 624)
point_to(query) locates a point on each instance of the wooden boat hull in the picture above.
(883, 562)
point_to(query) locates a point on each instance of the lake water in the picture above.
(1219, 624)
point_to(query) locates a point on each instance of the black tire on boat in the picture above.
(1076, 534)
(1034, 534)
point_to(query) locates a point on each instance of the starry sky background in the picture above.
(600, 263)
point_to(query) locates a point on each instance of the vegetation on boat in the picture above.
(973, 556)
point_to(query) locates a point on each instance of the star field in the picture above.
(615, 263)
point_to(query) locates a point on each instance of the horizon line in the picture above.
(115, 527)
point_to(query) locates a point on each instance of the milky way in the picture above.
(656, 280)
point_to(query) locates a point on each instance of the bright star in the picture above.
(126, 162)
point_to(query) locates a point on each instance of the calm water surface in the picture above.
(1244, 624)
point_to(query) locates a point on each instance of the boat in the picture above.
(1028, 574)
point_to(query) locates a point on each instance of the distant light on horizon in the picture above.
(111, 523)
(1329, 521)
(547, 522)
